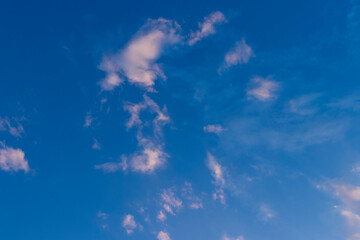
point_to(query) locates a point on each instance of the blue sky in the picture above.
(219, 120)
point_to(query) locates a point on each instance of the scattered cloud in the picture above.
(225, 237)
(111, 167)
(163, 236)
(207, 27)
(217, 171)
(110, 82)
(134, 109)
(170, 202)
(262, 89)
(148, 160)
(6, 125)
(240, 54)
(303, 105)
(214, 129)
(349, 195)
(161, 216)
(96, 145)
(88, 119)
(129, 224)
(137, 61)
(13, 160)
(102, 215)
(266, 213)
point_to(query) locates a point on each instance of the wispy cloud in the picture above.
(163, 236)
(148, 160)
(13, 160)
(266, 213)
(161, 216)
(170, 202)
(262, 89)
(137, 61)
(225, 237)
(160, 120)
(88, 119)
(129, 224)
(213, 128)
(96, 145)
(240, 54)
(303, 105)
(111, 167)
(6, 125)
(217, 171)
(207, 27)
(349, 195)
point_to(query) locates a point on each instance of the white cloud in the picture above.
(352, 218)
(102, 215)
(96, 145)
(219, 195)
(303, 104)
(5, 125)
(134, 109)
(266, 213)
(88, 119)
(207, 27)
(163, 236)
(137, 61)
(262, 89)
(161, 216)
(170, 201)
(214, 129)
(110, 167)
(13, 160)
(129, 224)
(111, 81)
(148, 160)
(196, 205)
(230, 238)
(240, 54)
(216, 170)
(347, 193)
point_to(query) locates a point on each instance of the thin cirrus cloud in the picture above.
(266, 213)
(6, 125)
(129, 224)
(137, 61)
(146, 161)
(240, 54)
(150, 155)
(207, 27)
(349, 196)
(13, 160)
(217, 171)
(262, 89)
(171, 203)
(213, 128)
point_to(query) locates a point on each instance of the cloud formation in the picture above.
(129, 224)
(225, 237)
(137, 61)
(240, 54)
(6, 125)
(163, 236)
(13, 160)
(217, 129)
(207, 27)
(262, 89)
(217, 172)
